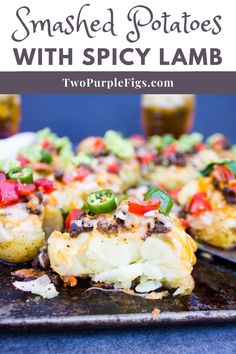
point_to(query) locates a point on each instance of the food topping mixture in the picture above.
(150, 214)
(166, 150)
(19, 190)
(113, 143)
(223, 179)
(218, 142)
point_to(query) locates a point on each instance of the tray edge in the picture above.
(123, 320)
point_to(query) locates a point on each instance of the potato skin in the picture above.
(24, 237)
(52, 220)
(218, 232)
(216, 237)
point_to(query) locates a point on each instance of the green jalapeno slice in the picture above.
(166, 201)
(23, 174)
(101, 202)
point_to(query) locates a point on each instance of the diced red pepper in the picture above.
(82, 172)
(199, 203)
(200, 146)
(98, 144)
(222, 173)
(47, 145)
(113, 168)
(169, 150)
(8, 195)
(73, 215)
(24, 189)
(45, 185)
(2, 176)
(148, 157)
(23, 161)
(140, 207)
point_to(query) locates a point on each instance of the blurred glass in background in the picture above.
(10, 115)
(167, 114)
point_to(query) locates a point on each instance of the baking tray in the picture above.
(213, 299)
(229, 255)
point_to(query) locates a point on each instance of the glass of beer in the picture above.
(167, 114)
(10, 115)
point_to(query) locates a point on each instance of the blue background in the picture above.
(81, 115)
(192, 339)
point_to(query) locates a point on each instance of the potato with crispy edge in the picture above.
(21, 234)
(129, 255)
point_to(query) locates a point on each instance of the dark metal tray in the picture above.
(213, 299)
(229, 255)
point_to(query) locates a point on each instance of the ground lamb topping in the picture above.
(42, 260)
(79, 226)
(152, 222)
(177, 159)
(229, 195)
(59, 173)
(159, 227)
(106, 227)
(34, 205)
